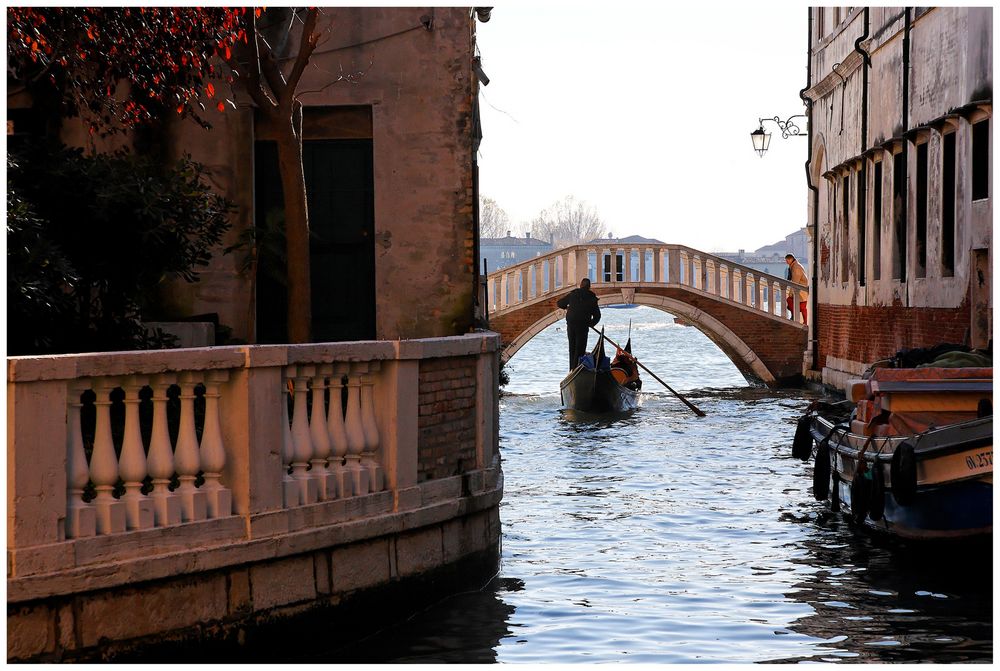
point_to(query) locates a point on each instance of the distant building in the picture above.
(622, 244)
(506, 251)
(770, 259)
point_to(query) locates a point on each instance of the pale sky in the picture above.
(645, 111)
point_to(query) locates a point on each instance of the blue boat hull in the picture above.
(957, 510)
(952, 481)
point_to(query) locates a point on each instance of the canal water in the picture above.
(662, 537)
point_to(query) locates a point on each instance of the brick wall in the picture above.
(866, 334)
(446, 443)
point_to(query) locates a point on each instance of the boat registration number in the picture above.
(979, 460)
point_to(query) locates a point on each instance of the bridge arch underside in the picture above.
(731, 327)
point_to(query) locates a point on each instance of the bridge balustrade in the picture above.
(118, 455)
(640, 265)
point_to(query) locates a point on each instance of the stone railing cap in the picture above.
(151, 362)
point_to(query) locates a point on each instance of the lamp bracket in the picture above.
(787, 127)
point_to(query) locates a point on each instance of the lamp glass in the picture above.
(761, 140)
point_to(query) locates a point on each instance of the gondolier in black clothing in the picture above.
(581, 313)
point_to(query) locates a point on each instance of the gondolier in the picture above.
(582, 312)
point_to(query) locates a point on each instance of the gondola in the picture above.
(598, 385)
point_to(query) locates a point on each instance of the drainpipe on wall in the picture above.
(864, 82)
(815, 197)
(904, 253)
(906, 72)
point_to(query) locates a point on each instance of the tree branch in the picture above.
(306, 46)
(252, 81)
(269, 67)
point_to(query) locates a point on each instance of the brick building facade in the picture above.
(900, 171)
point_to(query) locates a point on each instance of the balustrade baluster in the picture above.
(539, 278)
(187, 460)
(504, 290)
(642, 265)
(320, 433)
(132, 464)
(290, 488)
(354, 427)
(213, 453)
(376, 477)
(627, 265)
(104, 464)
(160, 461)
(302, 449)
(81, 517)
(338, 433)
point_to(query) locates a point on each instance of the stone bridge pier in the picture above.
(738, 308)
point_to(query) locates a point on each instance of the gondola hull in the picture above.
(596, 391)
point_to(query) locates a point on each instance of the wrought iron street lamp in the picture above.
(761, 139)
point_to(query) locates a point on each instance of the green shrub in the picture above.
(96, 234)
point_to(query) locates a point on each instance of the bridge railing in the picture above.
(121, 455)
(637, 265)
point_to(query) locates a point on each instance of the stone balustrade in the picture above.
(130, 458)
(655, 265)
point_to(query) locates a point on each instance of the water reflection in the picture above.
(889, 601)
(441, 634)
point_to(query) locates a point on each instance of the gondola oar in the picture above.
(688, 403)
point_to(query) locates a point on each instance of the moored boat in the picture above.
(910, 453)
(599, 385)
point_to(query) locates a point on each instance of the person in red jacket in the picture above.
(582, 313)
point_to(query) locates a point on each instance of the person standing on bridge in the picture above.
(796, 273)
(582, 312)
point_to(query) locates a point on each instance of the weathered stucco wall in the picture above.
(419, 84)
(949, 89)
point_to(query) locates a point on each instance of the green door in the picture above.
(340, 193)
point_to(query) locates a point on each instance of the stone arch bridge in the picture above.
(740, 309)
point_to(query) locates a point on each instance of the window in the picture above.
(862, 193)
(920, 269)
(948, 206)
(845, 218)
(820, 29)
(877, 221)
(981, 160)
(899, 216)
